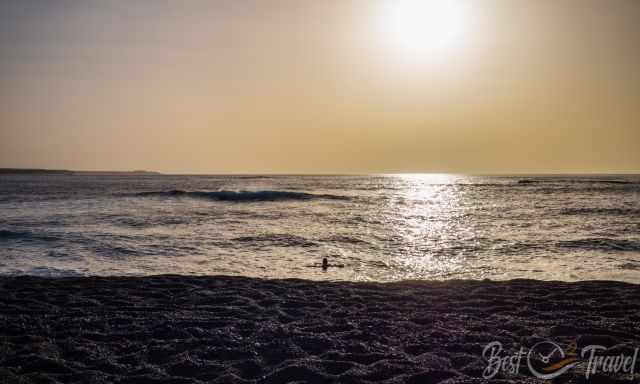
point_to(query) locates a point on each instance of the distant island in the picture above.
(29, 171)
(35, 171)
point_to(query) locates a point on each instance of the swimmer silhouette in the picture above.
(325, 265)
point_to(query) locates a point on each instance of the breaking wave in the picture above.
(600, 211)
(242, 196)
(10, 235)
(601, 244)
(6, 234)
(574, 181)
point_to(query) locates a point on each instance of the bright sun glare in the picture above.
(420, 27)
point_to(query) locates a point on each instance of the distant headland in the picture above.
(36, 171)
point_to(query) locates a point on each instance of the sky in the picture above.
(332, 86)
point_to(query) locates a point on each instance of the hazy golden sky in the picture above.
(314, 86)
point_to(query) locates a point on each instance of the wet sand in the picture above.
(177, 329)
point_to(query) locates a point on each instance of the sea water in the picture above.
(378, 227)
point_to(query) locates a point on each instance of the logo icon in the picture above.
(547, 360)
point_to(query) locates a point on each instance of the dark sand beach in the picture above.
(177, 329)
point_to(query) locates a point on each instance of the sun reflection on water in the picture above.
(430, 208)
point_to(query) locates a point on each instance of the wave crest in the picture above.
(601, 244)
(242, 196)
(6, 234)
(574, 181)
(9, 235)
(600, 211)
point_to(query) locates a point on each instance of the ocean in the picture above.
(371, 228)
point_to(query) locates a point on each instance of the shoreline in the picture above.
(222, 329)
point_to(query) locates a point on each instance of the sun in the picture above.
(423, 27)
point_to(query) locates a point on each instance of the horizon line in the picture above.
(143, 171)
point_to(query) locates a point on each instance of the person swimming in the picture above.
(326, 265)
